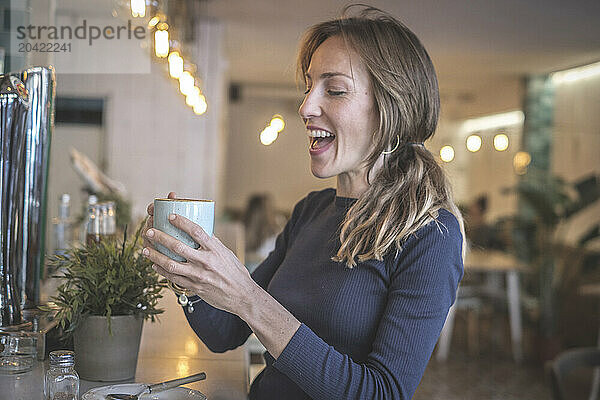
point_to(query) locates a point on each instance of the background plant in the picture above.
(106, 279)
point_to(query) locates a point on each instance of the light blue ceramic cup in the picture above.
(201, 212)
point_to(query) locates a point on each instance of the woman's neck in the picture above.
(351, 186)
(354, 183)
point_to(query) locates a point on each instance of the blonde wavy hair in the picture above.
(408, 190)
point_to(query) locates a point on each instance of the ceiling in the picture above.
(481, 49)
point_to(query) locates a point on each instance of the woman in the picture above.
(352, 300)
(262, 224)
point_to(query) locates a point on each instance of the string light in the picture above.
(138, 8)
(161, 43)
(201, 107)
(186, 83)
(193, 98)
(153, 21)
(175, 65)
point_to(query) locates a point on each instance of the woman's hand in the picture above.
(212, 271)
(150, 221)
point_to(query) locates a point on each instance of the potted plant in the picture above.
(550, 203)
(108, 290)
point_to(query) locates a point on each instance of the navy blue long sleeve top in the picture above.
(366, 332)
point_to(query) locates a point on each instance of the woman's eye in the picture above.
(336, 92)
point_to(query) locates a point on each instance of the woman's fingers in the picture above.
(148, 225)
(195, 231)
(180, 280)
(172, 244)
(169, 265)
(150, 208)
(177, 279)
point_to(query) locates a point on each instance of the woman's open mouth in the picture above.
(320, 141)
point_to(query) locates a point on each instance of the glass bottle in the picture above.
(92, 200)
(62, 226)
(62, 381)
(109, 220)
(94, 224)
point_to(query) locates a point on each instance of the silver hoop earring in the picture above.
(395, 147)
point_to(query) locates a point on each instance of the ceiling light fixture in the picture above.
(493, 121)
(447, 153)
(501, 142)
(474, 143)
(576, 74)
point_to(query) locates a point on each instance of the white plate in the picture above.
(179, 393)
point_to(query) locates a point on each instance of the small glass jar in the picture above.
(62, 381)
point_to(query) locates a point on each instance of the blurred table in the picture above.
(493, 264)
(169, 349)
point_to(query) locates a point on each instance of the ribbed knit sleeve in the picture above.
(220, 330)
(422, 289)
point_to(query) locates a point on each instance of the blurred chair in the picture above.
(566, 363)
(492, 264)
(467, 298)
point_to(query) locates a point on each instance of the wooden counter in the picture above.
(169, 350)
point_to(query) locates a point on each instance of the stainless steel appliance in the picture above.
(26, 122)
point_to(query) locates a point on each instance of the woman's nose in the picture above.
(310, 106)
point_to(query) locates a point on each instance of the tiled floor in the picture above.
(485, 373)
(486, 370)
(482, 378)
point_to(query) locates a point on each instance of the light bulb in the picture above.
(186, 83)
(521, 161)
(277, 122)
(268, 135)
(153, 21)
(175, 65)
(138, 8)
(193, 98)
(447, 153)
(201, 106)
(161, 43)
(501, 142)
(474, 143)
(136, 12)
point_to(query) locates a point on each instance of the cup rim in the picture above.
(186, 200)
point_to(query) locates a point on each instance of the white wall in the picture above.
(576, 144)
(154, 142)
(576, 141)
(282, 168)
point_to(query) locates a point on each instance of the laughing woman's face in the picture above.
(339, 111)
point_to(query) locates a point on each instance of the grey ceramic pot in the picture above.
(103, 357)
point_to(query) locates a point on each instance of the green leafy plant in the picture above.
(106, 279)
(547, 202)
